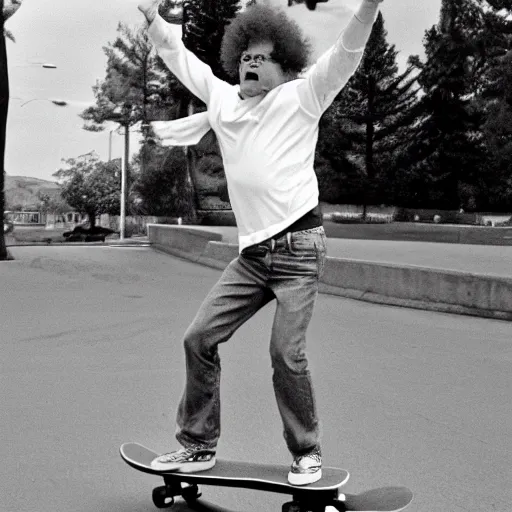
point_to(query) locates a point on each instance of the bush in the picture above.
(87, 234)
(217, 218)
(436, 216)
(357, 218)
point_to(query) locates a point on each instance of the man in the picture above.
(267, 129)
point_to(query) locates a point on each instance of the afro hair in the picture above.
(257, 24)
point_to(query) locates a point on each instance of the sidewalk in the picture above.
(476, 259)
(452, 278)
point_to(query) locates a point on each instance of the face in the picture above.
(258, 73)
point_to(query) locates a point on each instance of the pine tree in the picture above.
(133, 91)
(161, 185)
(496, 98)
(443, 165)
(204, 22)
(368, 118)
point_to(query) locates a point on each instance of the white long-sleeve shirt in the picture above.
(267, 142)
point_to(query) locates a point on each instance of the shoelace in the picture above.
(314, 456)
(182, 453)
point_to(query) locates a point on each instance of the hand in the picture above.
(149, 8)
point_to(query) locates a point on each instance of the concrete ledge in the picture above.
(185, 242)
(219, 254)
(398, 285)
(419, 287)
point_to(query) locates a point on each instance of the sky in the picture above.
(71, 35)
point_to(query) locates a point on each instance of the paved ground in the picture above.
(91, 357)
(478, 259)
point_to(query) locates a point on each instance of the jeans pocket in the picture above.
(321, 256)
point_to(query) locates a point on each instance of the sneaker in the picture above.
(306, 468)
(186, 460)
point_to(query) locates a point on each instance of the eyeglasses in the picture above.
(258, 58)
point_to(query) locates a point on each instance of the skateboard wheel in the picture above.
(190, 494)
(291, 506)
(161, 499)
(311, 4)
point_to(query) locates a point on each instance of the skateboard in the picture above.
(314, 497)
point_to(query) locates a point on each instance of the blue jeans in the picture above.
(288, 270)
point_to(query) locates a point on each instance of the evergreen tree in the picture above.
(162, 187)
(498, 136)
(496, 99)
(368, 119)
(204, 22)
(442, 168)
(133, 90)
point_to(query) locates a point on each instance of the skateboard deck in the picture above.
(390, 499)
(264, 477)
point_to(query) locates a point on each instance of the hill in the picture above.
(25, 192)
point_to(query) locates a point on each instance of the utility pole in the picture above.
(5, 13)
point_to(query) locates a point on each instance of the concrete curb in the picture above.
(419, 287)
(410, 286)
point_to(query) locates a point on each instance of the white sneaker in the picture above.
(306, 468)
(185, 460)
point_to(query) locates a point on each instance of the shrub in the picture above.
(217, 218)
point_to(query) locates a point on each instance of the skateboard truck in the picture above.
(163, 496)
(303, 502)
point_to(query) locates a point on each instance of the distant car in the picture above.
(84, 233)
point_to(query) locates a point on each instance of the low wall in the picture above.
(419, 287)
(412, 232)
(398, 285)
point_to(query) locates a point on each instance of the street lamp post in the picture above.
(110, 142)
(122, 219)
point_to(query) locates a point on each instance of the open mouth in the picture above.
(251, 76)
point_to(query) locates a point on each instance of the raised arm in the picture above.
(194, 74)
(333, 69)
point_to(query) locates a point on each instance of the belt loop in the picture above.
(289, 240)
(272, 245)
